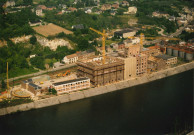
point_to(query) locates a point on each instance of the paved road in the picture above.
(42, 72)
(178, 32)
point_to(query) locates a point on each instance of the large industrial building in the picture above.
(185, 52)
(130, 67)
(99, 73)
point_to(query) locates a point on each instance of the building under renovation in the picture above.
(99, 73)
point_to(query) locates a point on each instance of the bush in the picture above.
(52, 91)
(33, 40)
(13, 102)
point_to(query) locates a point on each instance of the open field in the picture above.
(50, 30)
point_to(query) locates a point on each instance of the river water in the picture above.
(160, 107)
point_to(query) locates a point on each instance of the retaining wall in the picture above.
(97, 91)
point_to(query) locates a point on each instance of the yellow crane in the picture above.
(8, 92)
(103, 42)
(142, 37)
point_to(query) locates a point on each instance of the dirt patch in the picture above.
(50, 30)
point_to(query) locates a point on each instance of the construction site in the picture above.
(92, 71)
(101, 73)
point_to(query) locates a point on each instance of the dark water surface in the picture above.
(160, 107)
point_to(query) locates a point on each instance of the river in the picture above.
(160, 107)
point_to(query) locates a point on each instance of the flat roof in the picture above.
(70, 81)
(165, 57)
(124, 31)
(35, 86)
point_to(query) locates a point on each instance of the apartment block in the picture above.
(71, 85)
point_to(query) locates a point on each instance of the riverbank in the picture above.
(97, 91)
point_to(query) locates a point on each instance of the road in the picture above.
(178, 32)
(43, 72)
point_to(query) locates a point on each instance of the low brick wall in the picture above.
(98, 90)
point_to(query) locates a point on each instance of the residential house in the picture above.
(88, 11)
(131, 10)
(125, 3)
(35, 23)
(78, 26)
(51, 8)
(113, 12)
(159, 14)
(106, 7)
(72, 9)
(43, 7)
(172, 18)
(9, 3)
(39, 11)
(115, 5)
(70, 58)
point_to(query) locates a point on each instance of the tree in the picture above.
(3, 84)
(33, 40)
(27, 2)
(52, 91)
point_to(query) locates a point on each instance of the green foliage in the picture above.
(148, 32)
(33, 40)
(27, 2)
(170, 26)
(186, 35)
(16, 24)
(13, 102)
(52, 91)
(3, 84)
(120, 11)
(147, 7)
(15, 55)
(38, 62)
(96, 21)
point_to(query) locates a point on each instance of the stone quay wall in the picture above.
(98, 90)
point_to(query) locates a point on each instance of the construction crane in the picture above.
(103, 42)
(8, 92)
(142, 37)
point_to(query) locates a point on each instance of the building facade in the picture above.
(170, 60)
(155, 64)
(71, 85)
(132, 50)
(125, 33)
(141, 64)
(70, 59)
(101, 74)
(130, 67)
(30, 86)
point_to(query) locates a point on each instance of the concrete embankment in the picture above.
(97, 91)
